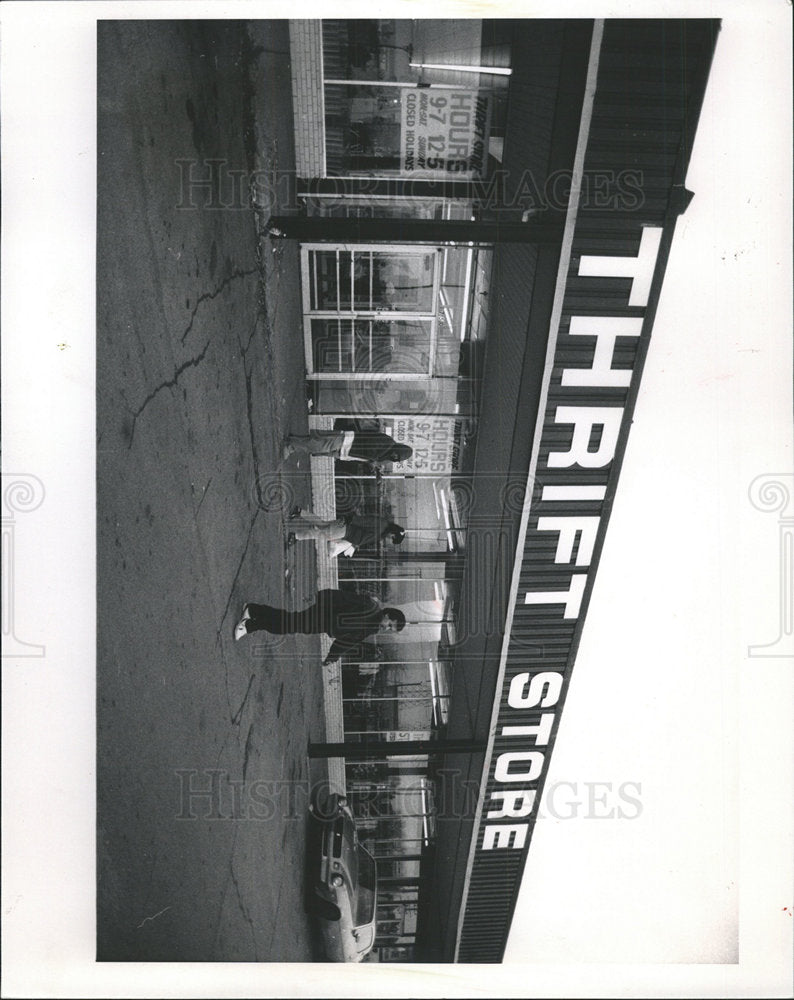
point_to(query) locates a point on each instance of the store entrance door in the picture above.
(369, 310)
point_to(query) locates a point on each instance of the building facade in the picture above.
(485, 213)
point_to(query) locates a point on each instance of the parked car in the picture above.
(343, 882)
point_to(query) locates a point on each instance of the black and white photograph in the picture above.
(397, 500)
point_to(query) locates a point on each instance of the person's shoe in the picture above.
(241, 629)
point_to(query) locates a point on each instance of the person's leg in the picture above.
(305, 530)
(315, 443)
(309, 516)
(337, 547)
(263, 617)
(307, 527)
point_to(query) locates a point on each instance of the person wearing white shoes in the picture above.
(373, 447)
(344, 535)
(348, 617)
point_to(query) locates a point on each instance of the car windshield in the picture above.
(365, 897)
(365, 905)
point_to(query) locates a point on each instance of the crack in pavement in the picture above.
(243, 910)
(274, 922)
(208, 296)
(218, 640)
(249, 405)
(239, 713)
(154, 917)
(249, 743)
(168, 384)
(260, 314)
(219, 644)
(218, 921)
(237, 573)
(277, 284)
(203, 496)
(224, 744)
(274, 410)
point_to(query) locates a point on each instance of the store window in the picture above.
(371, 279)
(406, 98)
(369, 311)
(336, 205)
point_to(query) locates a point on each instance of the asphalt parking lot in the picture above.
(202, 771)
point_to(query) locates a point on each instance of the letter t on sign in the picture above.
(640, 268)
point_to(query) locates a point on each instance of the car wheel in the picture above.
(324, 909)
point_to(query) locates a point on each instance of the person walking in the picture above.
(373, 447)
(347, 616)
(345, 534)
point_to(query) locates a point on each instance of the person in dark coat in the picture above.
(373, 447)
(348, 617)
(345, 534)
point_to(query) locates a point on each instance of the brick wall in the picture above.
(306, 61)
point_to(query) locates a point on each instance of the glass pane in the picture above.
(361, 207)
(405, 347)
(330, 280)
(368, 50)
(368, 346)
(362, 128)
(332, 345)
(372, 349)
(403, 282)
(394, 282)
(363, 118)
(366, 870)
(363, 278)
(447, 359)
(365, 897)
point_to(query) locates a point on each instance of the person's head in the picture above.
(396, 532)
(400, 453)
(393, 620)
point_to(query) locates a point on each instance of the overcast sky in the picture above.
(665, 700)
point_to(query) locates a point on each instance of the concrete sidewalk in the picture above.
(202, 767)
(275, 168)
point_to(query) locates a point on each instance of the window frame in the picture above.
(379, 315)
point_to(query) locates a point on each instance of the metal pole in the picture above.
(402, 698)
(398, 857)
(387, 663)
(370, 749)
(412, 84)
(327, 229)
(458, 68)
(389, 579)
(479, 189)
(367, 733)
(392, 816)
(395, 475)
